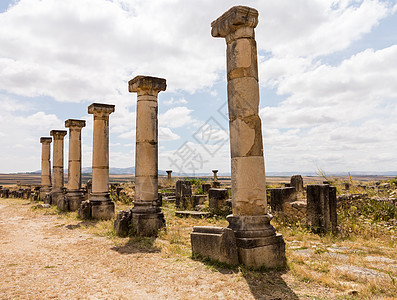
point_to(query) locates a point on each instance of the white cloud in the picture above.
(176, 117)
(166, 134)
(174, 101)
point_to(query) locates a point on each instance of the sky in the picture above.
(327, 71)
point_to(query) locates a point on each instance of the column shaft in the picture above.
(100, 154)
(46, 164)
(146, 156)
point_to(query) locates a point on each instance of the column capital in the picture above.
(45, 140)
(58, 134)
(169, 171)
(74, 123)
(233, 19)
(147, 83)
(101, 109)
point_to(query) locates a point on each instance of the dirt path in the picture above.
(42, 257)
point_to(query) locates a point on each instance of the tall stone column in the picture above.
(45, 166)
(57, 165)
(258, 244)
(169, 172)
(74, 193)
(101, 205)
(147, 217)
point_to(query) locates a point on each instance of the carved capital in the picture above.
(45, 140)
(101, 109)
(234, 19)
(74, 123)
(58, 134)
(147, 85)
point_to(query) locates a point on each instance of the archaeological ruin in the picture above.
(258, 244)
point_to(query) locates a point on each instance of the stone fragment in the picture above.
(297, 182)
(84, 211)
(215, 243)
(280, 196)
(321, 208)
(217, 201)
(122, 224)
(192, 213)
(183, 192)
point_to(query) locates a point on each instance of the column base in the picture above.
(55, 196)
(74, 199)
(102, 210)
(43, 191)
(257, 243)
(147, 223)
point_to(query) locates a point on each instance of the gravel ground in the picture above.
(42, 257)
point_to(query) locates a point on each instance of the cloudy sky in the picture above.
(328, 80)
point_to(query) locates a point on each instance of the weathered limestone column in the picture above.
(147, 217)
(101, 205)
(45, 166)
(258, 244)
(215, 175)
(74, 193)
(57, 165)
(169, 172)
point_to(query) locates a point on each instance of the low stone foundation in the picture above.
(215, 243)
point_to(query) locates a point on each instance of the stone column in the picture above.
(45, 166)
(258, 245)
(215, 175)
(74, 193)
(101, 205)
(147, 217)
(57, 165)
(169, 176)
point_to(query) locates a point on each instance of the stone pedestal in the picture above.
(280, 196)
(147, 217)
(74, 193)
(169, 179)
(297, 182)
(257, 243)
(45, 166)
(215, 172)
(57, 167)
(321, 208)
(217, 201)
(101, 206)
(183, 191)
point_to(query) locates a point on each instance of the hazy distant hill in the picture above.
(131, 171)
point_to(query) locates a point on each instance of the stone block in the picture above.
(270, 255)
(297, 182)
(249, 193)
(122, 224)
(215, 243)
(63, 203)
(102, 210)
(280, 196)
(84, 211)
(332, 209)
(206, 187)
(147, 224)
(183, 190)
(217, 201)
(216, 184)
(318, 207)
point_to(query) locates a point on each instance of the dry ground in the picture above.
(45, 254)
